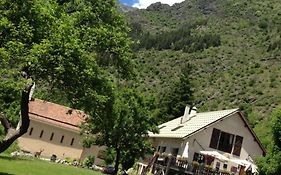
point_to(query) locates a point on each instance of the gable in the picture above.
(202, 121)
(235, 125)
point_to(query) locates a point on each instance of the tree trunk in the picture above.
(11, 133)
(117, 160)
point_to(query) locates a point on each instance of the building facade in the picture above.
(54, 130)
(226, 132)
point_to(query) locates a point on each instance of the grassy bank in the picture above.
(26, 166)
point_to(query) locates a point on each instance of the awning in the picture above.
(185, 151)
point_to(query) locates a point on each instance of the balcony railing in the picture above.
(170, 165)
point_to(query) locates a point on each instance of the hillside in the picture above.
(242, 71)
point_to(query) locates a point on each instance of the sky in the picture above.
(145, 3)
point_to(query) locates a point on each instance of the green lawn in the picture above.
(24, 166)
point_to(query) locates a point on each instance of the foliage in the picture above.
(74, 47)
(179, 39)
(110, 156)
(270, 164)
(89, 161)
(242, 72)
(276, 128)
(180, 94)
(124, 127)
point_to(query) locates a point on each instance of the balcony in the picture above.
(171, 165)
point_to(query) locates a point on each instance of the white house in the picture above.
(225, 131)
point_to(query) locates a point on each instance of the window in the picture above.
(175, 151)
(52, 136)
(30, 132)
(41, 134)
(225, 166)
(162, 127)
(61, 140)
(237, 145)
(198, 158)
(72, 140)
(225, 141)
(162, 149)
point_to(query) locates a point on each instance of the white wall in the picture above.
(169, 143)
(34, 143)
(233, 125)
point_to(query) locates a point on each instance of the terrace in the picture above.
(170, 165)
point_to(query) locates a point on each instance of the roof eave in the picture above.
(252, 132)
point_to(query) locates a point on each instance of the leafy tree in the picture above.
(173, 103)
(276, 128)
(77, 47)
(270, 164)
(11, 133)
(124, 128)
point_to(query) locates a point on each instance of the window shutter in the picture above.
(237, 145)
(215, 138)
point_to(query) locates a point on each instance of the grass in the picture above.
(27, 166)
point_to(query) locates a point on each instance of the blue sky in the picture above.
(129, 2)
(146, 3)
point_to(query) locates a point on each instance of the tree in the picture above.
(270, 164)
(173, 103)
(77, 47)
(11, 134)
(124, 129)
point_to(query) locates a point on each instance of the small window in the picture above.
(41, 134)
(200, 158)
(225, 166)
(30, 132)
(61, 140)
(162, 127)
(176, 128)
(163, 149)
(72, 140)
(52, 136)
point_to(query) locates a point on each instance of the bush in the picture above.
(89, 161)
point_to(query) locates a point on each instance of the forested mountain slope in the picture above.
(233, 47)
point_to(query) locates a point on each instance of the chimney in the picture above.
(188, 114)
(193, 112)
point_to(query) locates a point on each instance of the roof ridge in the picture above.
(56, 104)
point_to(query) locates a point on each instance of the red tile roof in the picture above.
(55, 114)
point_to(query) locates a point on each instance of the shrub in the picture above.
(89, 161)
